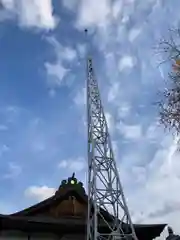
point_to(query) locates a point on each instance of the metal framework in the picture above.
(104, 187)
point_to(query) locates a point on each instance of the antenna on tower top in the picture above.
(88, 46)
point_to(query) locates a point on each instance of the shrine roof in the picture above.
(65, 224)
(34, 217)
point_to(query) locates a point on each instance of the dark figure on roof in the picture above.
(171, 235)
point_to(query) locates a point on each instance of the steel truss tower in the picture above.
(104, 187)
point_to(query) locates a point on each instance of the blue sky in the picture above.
(42, 99)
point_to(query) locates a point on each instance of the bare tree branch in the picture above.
(169, 103)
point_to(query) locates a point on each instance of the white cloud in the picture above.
(52, 92)
(154, 132)
(8, 4)
(14, 171)
(32, 13)
(113, 91)
(3, 127)
(4, 148)
(80, 98)
(38, 145)
(69, 54)
(77, 164)
(70, 4)
(115, 149)
(63, 164)
(133, 34)
(158, 180)
(81, 48)
(57, 71)
(117, 8)
(168, 173)
(91, 14)
(126, 62)
(62, 53)
(11, 113)
(12, 109)
(110, 122)
(39, 193)
(161, 70)
(123, 109)
(132, 132)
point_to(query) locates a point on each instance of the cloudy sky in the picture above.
(42, 99)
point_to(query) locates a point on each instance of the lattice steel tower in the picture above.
(104, 186)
